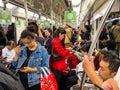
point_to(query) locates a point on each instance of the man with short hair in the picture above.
(109, 65)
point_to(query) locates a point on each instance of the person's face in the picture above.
(29, 43)
(84, 29)
(10, 28)
(47, 33)
(104, 71)
(61, 36)
(10, 47)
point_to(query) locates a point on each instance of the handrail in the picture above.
(95, 39)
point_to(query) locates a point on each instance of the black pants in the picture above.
(64, 82)
(58, 76)
(35, 87)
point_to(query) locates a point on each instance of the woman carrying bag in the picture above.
(29, 60)
(60, 66)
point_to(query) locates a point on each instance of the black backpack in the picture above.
(8, 80)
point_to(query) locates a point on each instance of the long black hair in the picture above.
(59, 31)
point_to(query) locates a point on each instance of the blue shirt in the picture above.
(40, 58)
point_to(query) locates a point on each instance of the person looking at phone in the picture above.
(8, 53)
(30, 71)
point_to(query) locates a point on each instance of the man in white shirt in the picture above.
(8, 52)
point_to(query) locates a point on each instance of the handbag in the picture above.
(48, 81)
(55, 55)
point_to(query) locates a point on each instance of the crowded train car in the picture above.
(59, 44)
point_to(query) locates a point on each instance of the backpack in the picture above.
(8, 80)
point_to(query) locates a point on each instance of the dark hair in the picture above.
(103, 36)
(27, 34)
(115, 22)
(49, 30)
(9, 43)
(60, 31)
(112, 59)
(88, 28)
(85, 47)
(32, 27)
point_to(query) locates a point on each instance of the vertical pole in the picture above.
(26, 10)
(51, 9)
(95, 39)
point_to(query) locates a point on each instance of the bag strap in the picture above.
(25, 62)
(53, 46)
(45, 71)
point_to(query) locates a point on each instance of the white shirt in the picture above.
(9, 54)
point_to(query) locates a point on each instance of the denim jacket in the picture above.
(39, 59)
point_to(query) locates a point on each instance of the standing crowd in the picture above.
(65, 51)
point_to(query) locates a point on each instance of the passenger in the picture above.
(74, 36)
(2, 37)
(59, 67)
(32, 27)
(116, 33)
(10, 33)
(85, 35)
(68, 36)
(105, 44)
(30, 72)
(8, 53)
(48, 34)
(109, 65)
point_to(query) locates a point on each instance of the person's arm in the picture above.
(39, 32)
(28, 69)
(4, 53)
(17, 51)
(89, 69)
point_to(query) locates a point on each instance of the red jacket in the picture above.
(60, 65)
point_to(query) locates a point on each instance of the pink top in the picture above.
(107, 86)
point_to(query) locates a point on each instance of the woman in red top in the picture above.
(60, 66)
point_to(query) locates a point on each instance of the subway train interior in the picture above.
(77, 31)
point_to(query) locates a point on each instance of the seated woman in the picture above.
(60, 67)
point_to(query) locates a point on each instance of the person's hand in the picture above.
(69, 48)
(88, 63)
(28, 69)
(18, 49)
(4, 59)
(76, 54)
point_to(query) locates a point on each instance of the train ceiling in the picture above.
(45, 7)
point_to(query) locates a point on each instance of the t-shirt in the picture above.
(23, 76)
